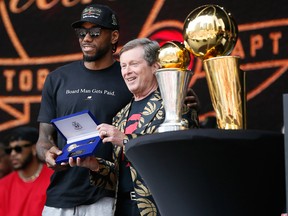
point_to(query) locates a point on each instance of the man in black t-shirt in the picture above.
(94, 84)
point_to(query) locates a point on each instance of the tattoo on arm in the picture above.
(46, 139)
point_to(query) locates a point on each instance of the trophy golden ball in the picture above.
(173, 54)
(210, 31)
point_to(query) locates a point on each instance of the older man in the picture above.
(143, 115)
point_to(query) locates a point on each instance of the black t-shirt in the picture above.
(73, 88)
(125, 180)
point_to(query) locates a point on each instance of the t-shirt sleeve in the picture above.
(47, 108)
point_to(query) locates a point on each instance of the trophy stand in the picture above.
(226, 83)
(173, 84)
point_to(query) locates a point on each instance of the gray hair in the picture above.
(150, 48)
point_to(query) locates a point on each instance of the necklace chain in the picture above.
(33, 177)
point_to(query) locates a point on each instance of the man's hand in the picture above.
(88, 162)
(192, 100)
(109, 133)
(50, 157)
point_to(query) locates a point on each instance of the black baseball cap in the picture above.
(26, 133)
(98, 14)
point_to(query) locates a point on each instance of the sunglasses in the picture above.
(93, 32)
(17, 148)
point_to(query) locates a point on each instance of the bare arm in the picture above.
(46, 149)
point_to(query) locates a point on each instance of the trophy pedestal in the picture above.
(213, 172)
(173, 84)
(226, 84)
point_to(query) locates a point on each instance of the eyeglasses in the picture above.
(93, 32)
(17, 148)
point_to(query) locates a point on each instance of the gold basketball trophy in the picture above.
(173, 80)
(211, 33)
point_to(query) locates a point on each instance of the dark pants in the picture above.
(126, 207)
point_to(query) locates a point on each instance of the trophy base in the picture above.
(165, 127)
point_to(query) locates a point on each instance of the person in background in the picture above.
(23, 191)
(5, 163)
(143, 115)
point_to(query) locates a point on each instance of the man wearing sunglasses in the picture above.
(94, 83)
(5, 163)
(23, 192)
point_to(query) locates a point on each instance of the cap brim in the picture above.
(79, 23)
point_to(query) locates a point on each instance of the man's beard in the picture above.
(99, 55)
(28, 160)
(87, 58)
